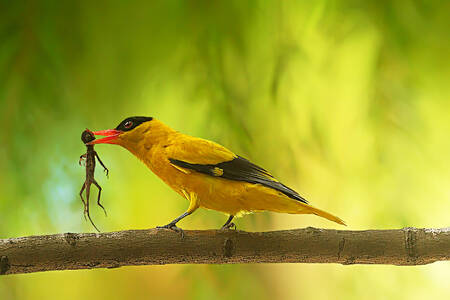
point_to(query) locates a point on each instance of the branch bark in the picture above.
(70, 251)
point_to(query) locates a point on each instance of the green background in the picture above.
(345, 101)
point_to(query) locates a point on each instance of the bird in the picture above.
(207, 174)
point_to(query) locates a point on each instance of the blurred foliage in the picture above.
(345, 101)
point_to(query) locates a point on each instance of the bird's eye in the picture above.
(128, 124)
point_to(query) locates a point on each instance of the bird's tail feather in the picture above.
(324, 214)
(302, 208)
(278, 202)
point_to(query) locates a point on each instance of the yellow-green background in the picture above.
(345, 101)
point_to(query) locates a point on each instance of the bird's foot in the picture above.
(174, 227)
(230, 226)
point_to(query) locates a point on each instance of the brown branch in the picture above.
(69, 251)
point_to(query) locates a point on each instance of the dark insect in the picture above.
(89, 159)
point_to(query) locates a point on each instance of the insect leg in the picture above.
(84, 202)
(98, 198)
(100, 161)
(82, 159)
(88, 188)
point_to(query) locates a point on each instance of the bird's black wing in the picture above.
(240, 169)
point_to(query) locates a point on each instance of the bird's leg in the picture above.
(84, 202)
(86, 209)
(172, 225)
(100, 161)
(82, 159)
(98, 198)
(228, 224)
(193, 205)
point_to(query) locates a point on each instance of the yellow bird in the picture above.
(205, 173)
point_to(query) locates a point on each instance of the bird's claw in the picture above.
(230, 226)
(173, 227)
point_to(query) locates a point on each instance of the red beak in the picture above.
(111, 135)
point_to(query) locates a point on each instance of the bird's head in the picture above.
(130, 131)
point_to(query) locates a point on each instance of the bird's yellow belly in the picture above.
(228, 196)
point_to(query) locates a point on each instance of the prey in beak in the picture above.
(110, 136)
(89, 159)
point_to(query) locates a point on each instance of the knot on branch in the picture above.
(4, 265)
(71, 238)
(411, 243)
(228, 248)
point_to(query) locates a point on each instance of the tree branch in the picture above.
(69, 251)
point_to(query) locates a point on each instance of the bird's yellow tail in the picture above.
(270, 200)
(297, 207)
(324, 214)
